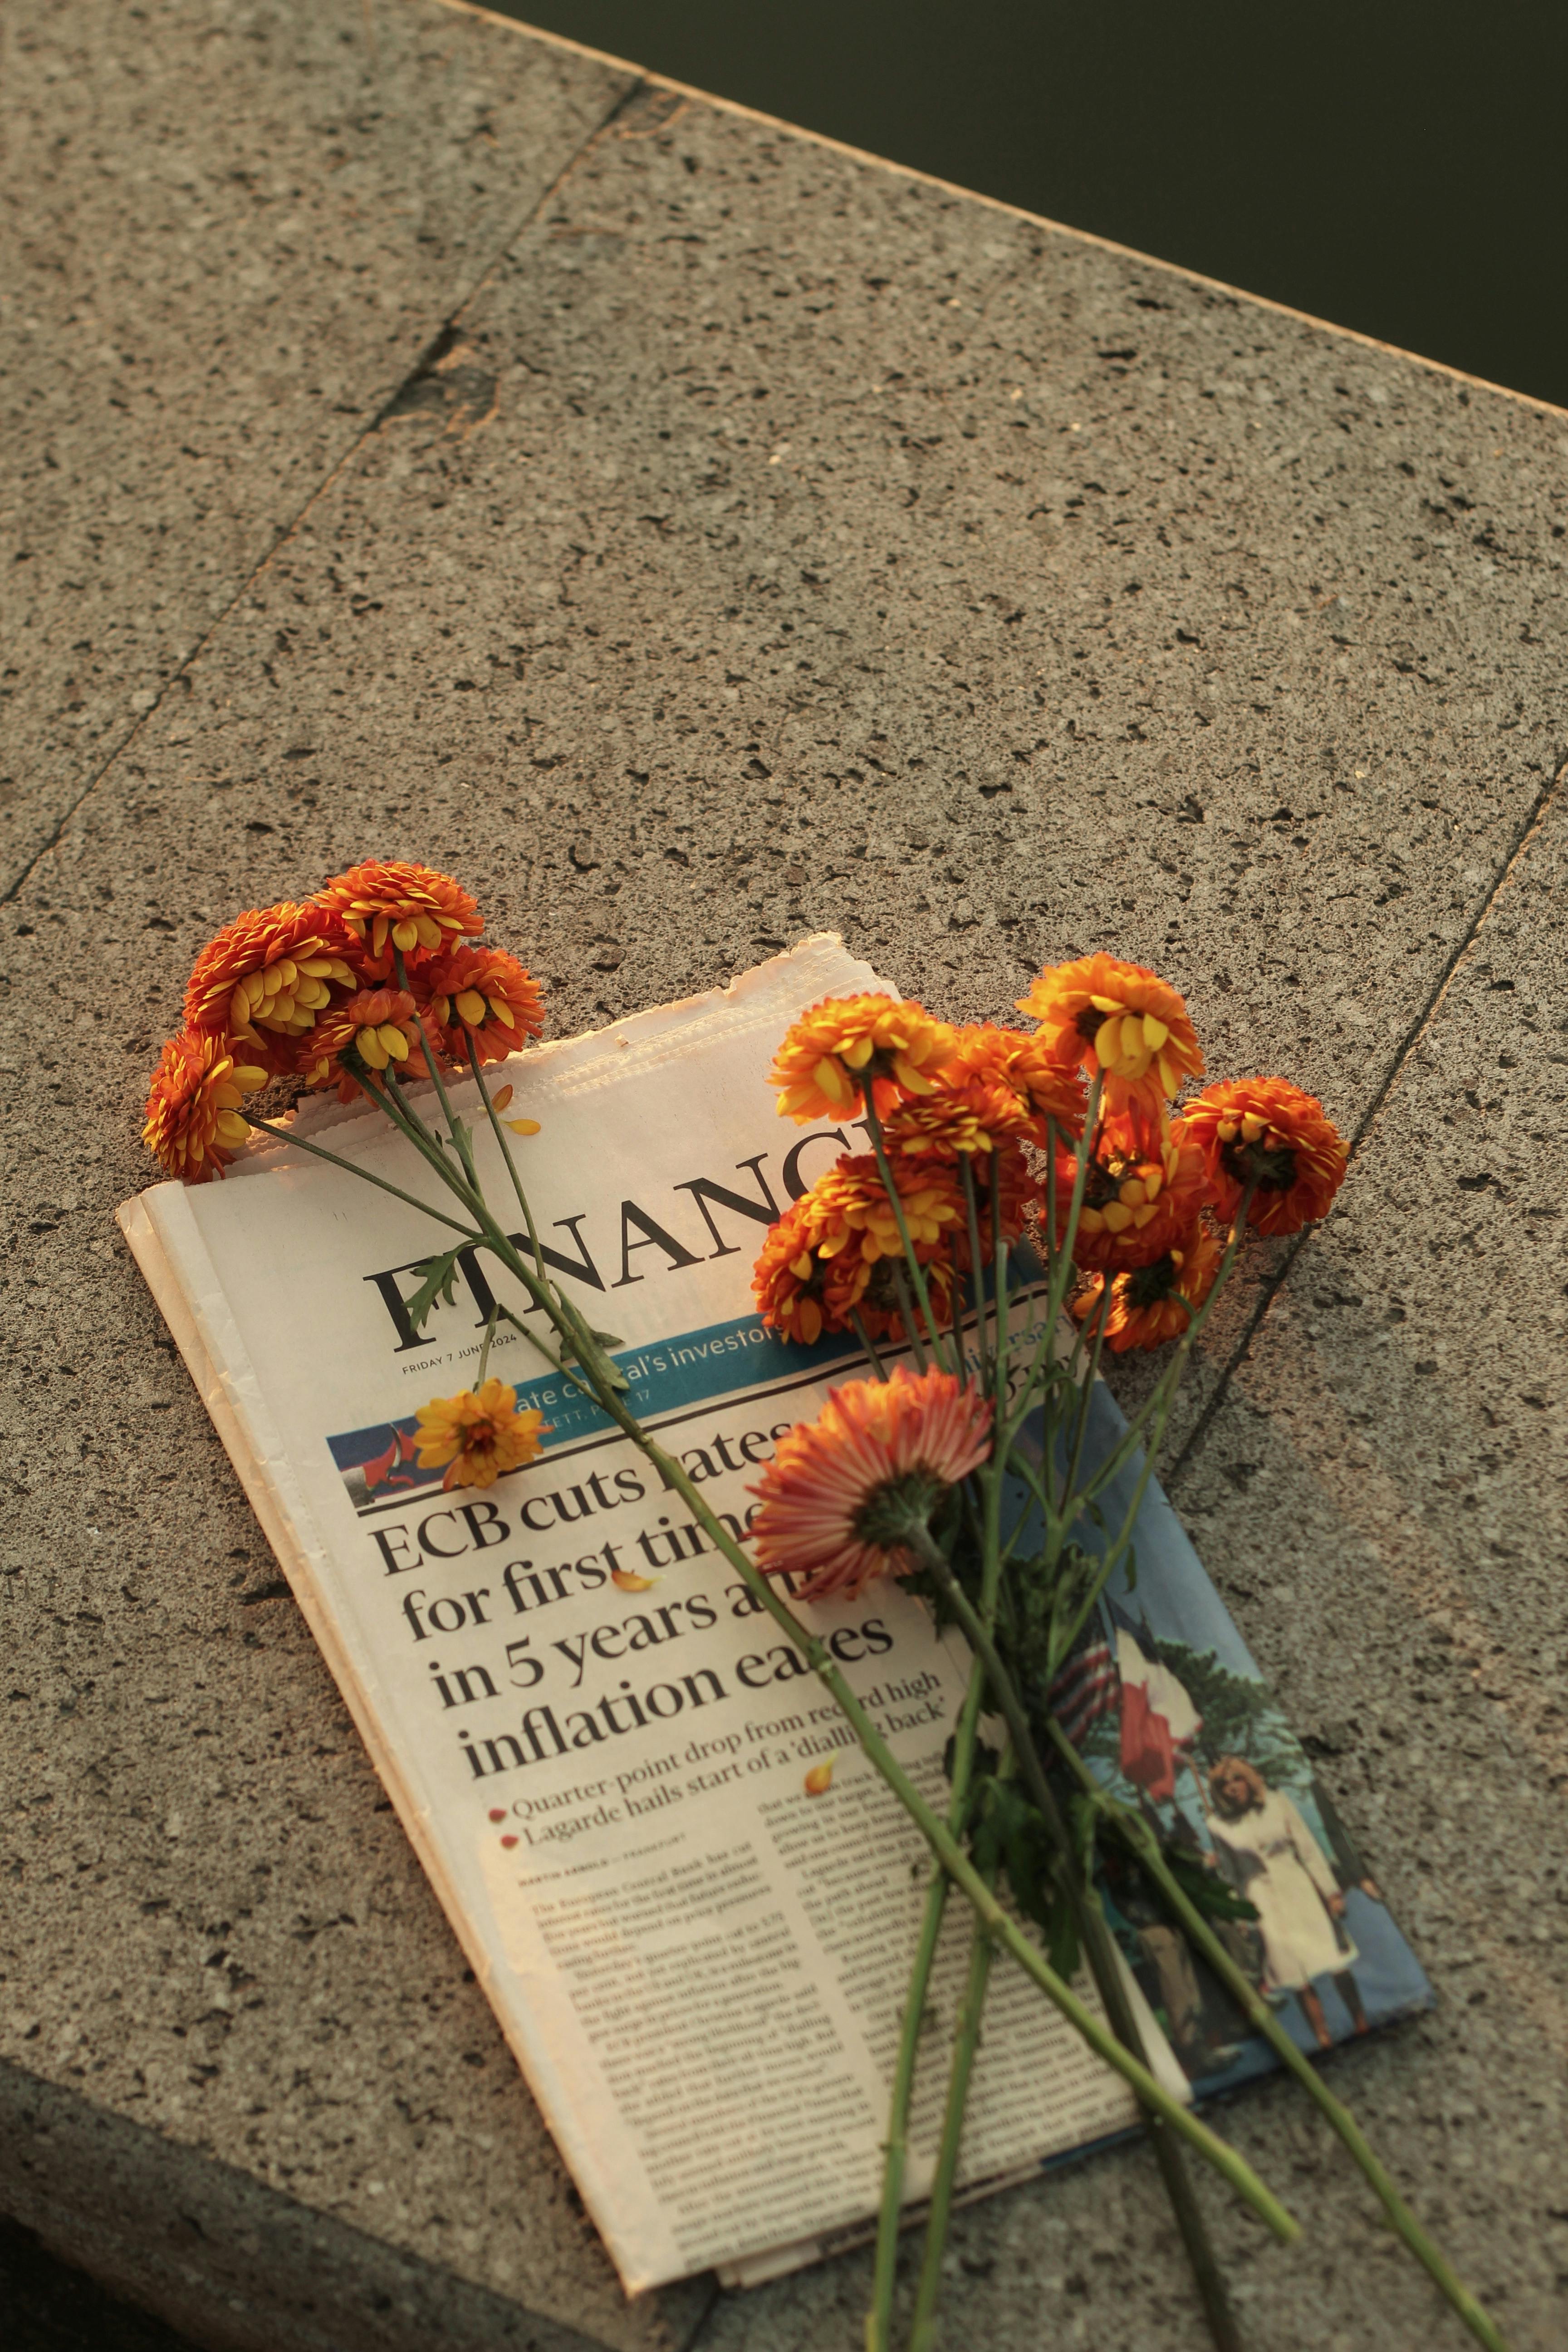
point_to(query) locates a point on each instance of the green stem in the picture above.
(858, 1324)
(431, 1063)
(972, 1213)
(500, 1132)
(485, 1350)
(1099, 1320)
(908, 1315)
(874, 1129)
(1082, 1152)
(1145, 1847)
(1002, 1929)
(565, 1317)
(1001, 1287)
(878, 2322)
(500, 1137)
(412, 1127)
(551, 1358)
(318, 1151)
(895, 2151)
(1147, 1426)
(966, 2043)
(1049, 1222)
(1093, 1934)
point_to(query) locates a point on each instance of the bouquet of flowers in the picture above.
(1027, 1198)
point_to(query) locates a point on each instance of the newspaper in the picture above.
(611, 1765)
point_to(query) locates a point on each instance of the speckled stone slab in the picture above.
(779, 542)
(228, 229)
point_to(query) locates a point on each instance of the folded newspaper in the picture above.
(695, 1938)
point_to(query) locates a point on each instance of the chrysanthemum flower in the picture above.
(958, 1122)
(1152, 1303)
(193, 1127)
(485, 994)
(844, 1494)
(479, 1437)
(380, 1024)
(408, 907)
(787, 1279)
(1135, 1202)
(845, 1043)
(1119, 1019)
(1267, 1133)
(267, 976)
(871, 1293)
(804, 1292)
(1016, 1194)
(1020, 1065)
(856, 1212)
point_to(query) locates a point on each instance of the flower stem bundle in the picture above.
(1026, 1199)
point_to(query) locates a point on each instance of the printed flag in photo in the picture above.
(1159, 1721)
(1086, 1686)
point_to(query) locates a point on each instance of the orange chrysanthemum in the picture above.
(479, 1437)
(1136, 1203)
(804, 1291)
(268, 975)
(408, 907)
(956, 1122)
(1015, 1193)
(1267, 1133)
(846, 1043)
(787, 1279)
(844, 1494)
(380, 1025)
(485, 994)
(1152, 1303)
(1014, 1063)
(857, 1217)
(193, 1127)
(851, 1288)
(1119, 1019)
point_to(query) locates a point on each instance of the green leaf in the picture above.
(1204, 1889)
(1011, 1836)
(439, 1281)
(1061, 1931)
(587, 1348)
(1084, 1815)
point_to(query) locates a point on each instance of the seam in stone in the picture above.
(440, 343)
(689, 2342)
(1421, 1021)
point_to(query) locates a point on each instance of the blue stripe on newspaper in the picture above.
(381, 1463)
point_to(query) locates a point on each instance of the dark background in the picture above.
(1393, 165)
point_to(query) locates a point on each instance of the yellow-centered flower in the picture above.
(847, 1044)
(479, 1437)
(1267, 1134)
(410, 907)
(1124, 1022)
(380, 1025)
(193, 1127)
(1151, 1304)
(267, 976)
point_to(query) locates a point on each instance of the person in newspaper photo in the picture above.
(1270, 1853)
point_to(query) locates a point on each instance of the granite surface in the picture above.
(773, 541)
(228, 230)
